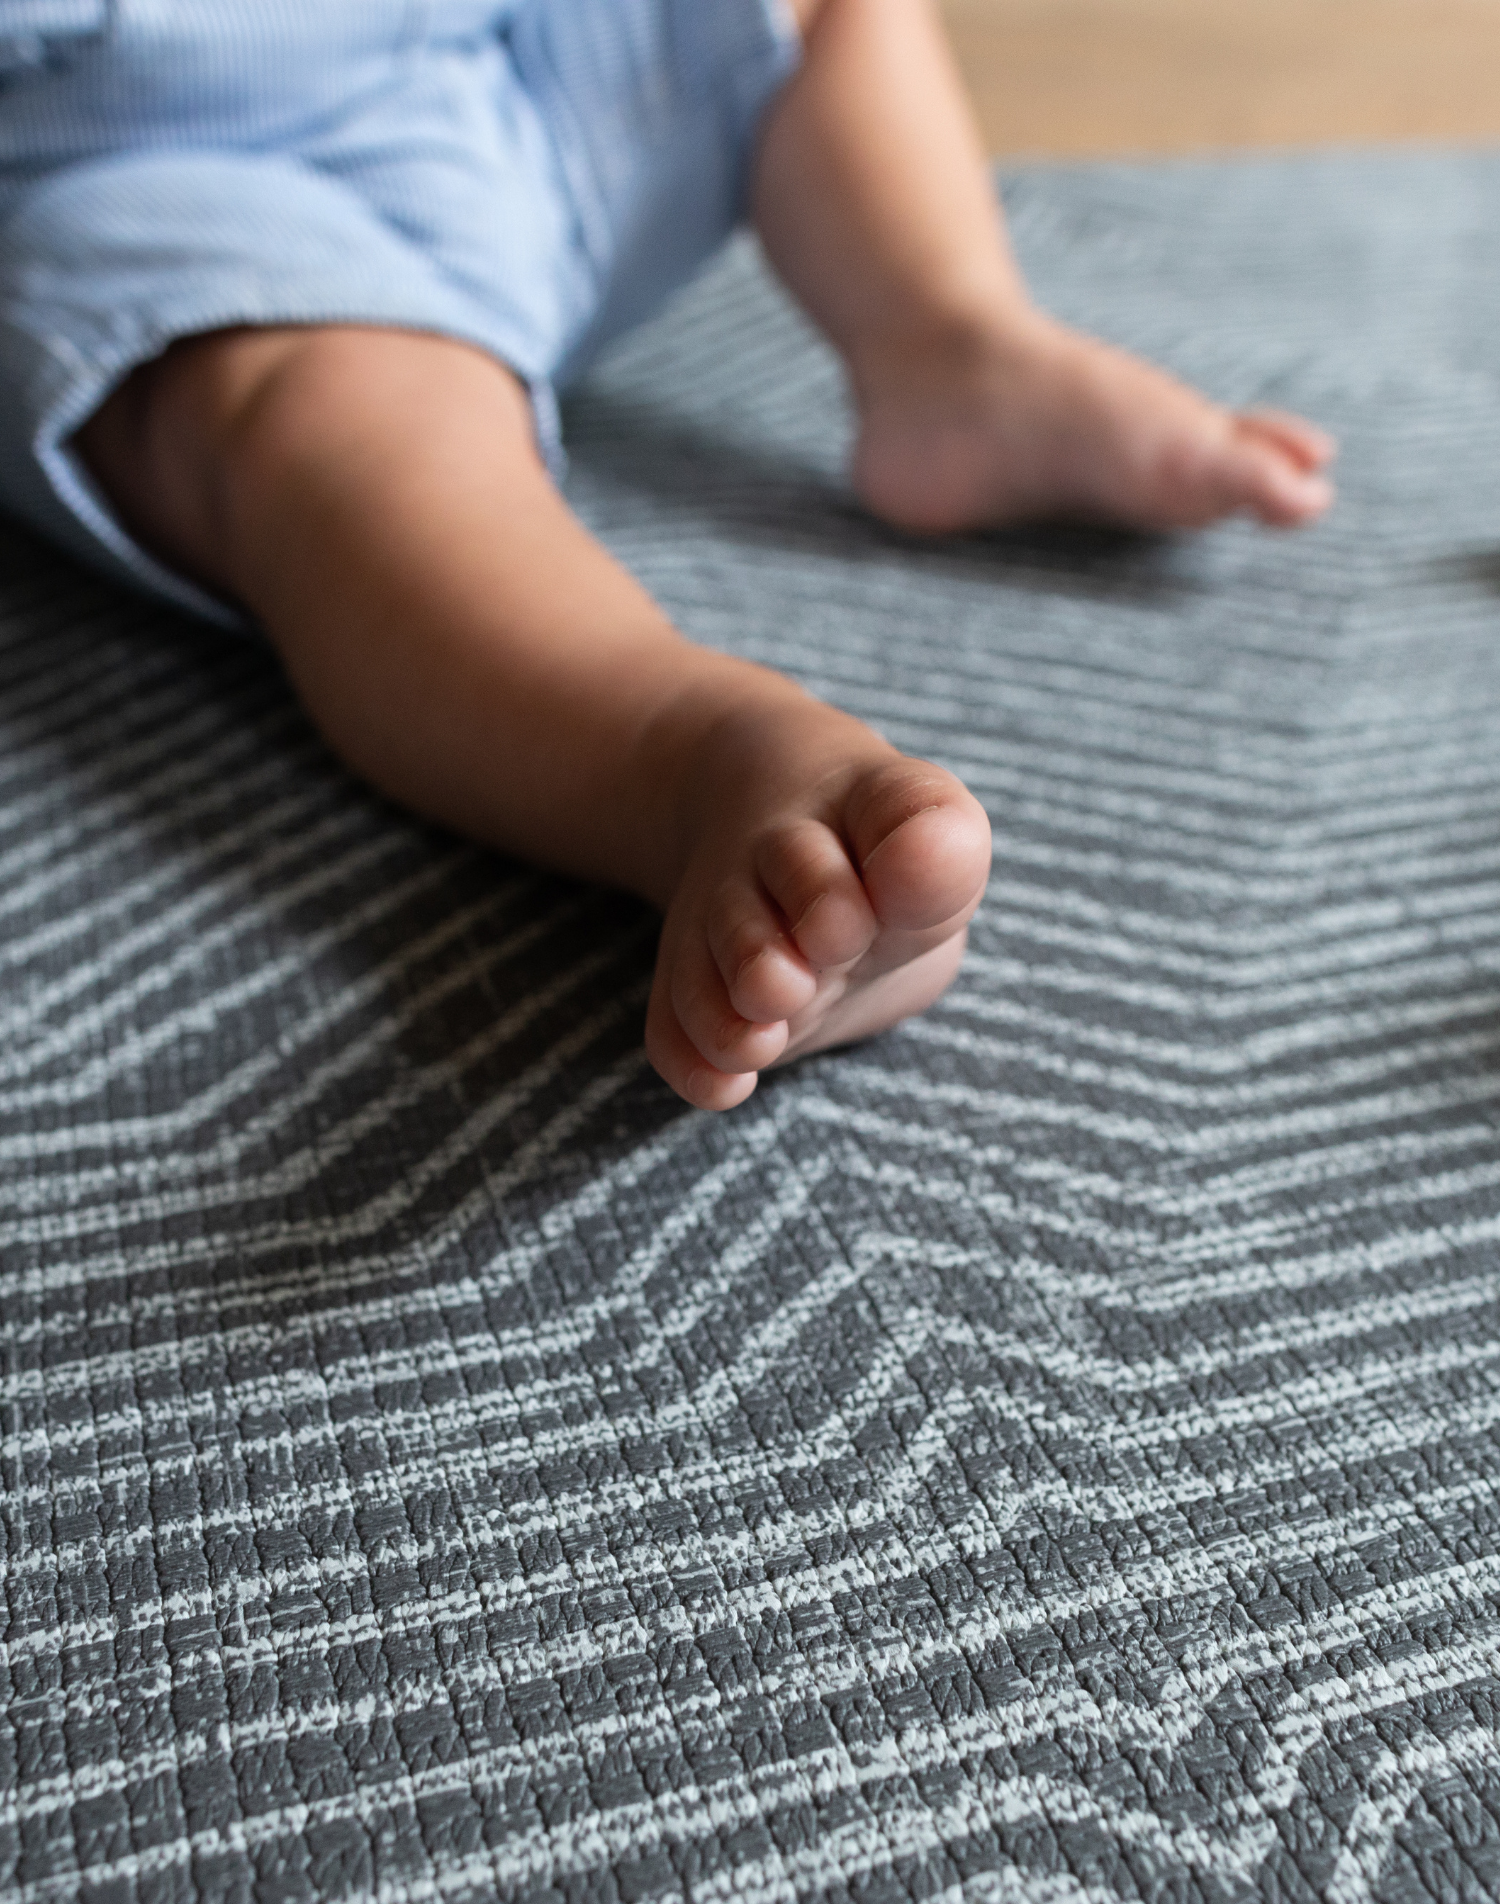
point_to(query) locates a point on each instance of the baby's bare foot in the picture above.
(1047, 423)
(824, 893)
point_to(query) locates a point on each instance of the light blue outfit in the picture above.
(531, 176)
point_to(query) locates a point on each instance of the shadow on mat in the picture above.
(273, 1027)
(1465, 568)
(766, 497)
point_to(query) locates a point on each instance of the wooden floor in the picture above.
(1093, 77)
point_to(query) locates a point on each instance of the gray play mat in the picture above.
(1047, 1454)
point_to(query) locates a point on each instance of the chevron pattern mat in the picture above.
(1049, 1453)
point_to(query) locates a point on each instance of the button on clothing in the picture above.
(530, 176)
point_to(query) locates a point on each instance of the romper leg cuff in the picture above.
(104, 265)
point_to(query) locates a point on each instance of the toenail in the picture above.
(807, 913)
(765, 952)
(933, 806)
(754, 959)
(703, 1080)
(730, 1032)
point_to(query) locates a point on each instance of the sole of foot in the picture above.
(824, 895)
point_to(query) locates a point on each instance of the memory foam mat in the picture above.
(1048, 1453)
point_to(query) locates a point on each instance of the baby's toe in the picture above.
(724, 1036)
(923, 843)
(765, 977)
(678, 1056)
(1263, 475)
(807, 871)
(1308, 446)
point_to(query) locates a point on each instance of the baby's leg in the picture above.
(875, 204)
(376, 499)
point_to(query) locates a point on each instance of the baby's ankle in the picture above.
(953, 351)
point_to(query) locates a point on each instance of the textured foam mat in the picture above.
(1049, 1453)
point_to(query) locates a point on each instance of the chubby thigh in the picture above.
(529, 176)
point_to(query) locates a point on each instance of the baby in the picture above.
(285, 295)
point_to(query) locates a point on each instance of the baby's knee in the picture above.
(195, 444)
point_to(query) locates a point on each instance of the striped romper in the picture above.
(530, 176)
